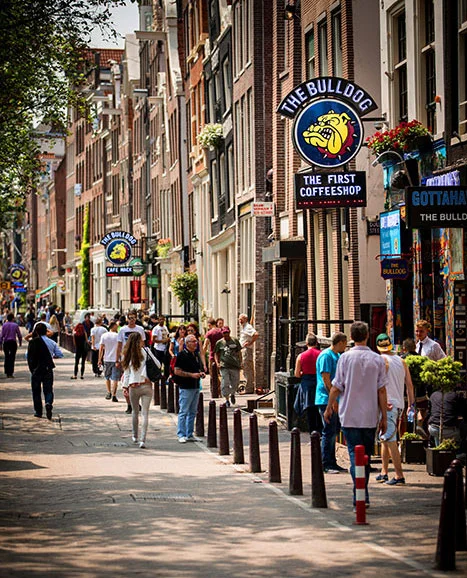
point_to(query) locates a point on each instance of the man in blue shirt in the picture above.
(41, 351)
(326, 365)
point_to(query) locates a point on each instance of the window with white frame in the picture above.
(427, 43)
(214, 191)
(310, 53)
(400, 67)
(242, 34)
(227, 83)
(462, 65)
(230, 182)
(323, 47)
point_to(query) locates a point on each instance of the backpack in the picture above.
(153, 366)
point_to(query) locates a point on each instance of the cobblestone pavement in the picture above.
(77, 498)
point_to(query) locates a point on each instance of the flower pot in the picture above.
(414, 451)
(438, 461)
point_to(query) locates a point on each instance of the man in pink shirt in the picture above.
(10, 333)
(305, 369)
(213, 335)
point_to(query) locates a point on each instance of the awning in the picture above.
(46, 290)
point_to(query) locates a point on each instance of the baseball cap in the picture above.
(383, 343)
(226, 329)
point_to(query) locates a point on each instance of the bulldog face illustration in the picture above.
(332, 134)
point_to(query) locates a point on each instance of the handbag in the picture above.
(153, 366)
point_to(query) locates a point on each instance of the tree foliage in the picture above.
(41, 64)
(185, 287)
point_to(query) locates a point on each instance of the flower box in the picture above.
(438, 461)
(414, 451)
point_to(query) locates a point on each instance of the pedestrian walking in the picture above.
(136, 381)
(96, 335)
(108, 357)
(360, 385)
(398, 378)
(326, 366)
(41, 352)
(248, 336)
(305, 369)
(188, 372)
(9, 339)
(160, 344)
(213, 335)
(81, 343)
(55, 326)
(228, 355)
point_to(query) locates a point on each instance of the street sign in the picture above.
(262, 209)
(394, 269)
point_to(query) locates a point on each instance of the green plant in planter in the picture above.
(185, 287)
(416, 363)
(447, 445)
(211, 136)
(411, 437)
(401, 139)
(163, 247)
(443, 375)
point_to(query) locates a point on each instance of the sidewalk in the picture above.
(77, 498)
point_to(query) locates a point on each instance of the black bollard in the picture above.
(199, 425)
(214, 379)
(255, 458)
(238, 454)
(461, 535)
(170, 396)
(177, 399)
(223, 431)
(163, 394)
(274, 457)
(157, 397)
(212, 431)
(318, 489)
(446, 548)
(295, 477)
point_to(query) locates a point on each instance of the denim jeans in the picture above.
(328, 439)
(188, 399)
(43, 378)
(363, 436)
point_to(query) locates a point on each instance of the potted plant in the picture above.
(163, 247)
(185, 287)
(443, 375)
(211, 136)
(404, 138)
(413, 448)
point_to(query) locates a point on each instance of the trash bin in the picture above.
(286, 390)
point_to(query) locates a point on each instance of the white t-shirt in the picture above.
(246, 333)
(98, 331)
(125, 332)
(396, 380)
(160, 332)
(110, 342)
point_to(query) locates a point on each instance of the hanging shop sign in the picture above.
(135, 291)
(118, 247)
(313, 190)
(435, 207)
(152, 281)
(327, 130)
(394, 269)
(138, 267)
(390, 233)
(17, 272)
(119, 271)
(460, 322)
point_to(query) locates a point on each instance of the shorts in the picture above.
(393, 419)
(111, 371)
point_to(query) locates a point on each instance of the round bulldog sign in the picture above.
(327, 133)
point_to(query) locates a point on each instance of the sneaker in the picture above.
(232, 399)
(114, 398)
(73, 377)
(134, 440)
(396, 482)
(39, 415)
(82, 377)
(192, 438)
(128, 409)
(48, 411)
(339, 468)
(382, 478)
(142, 445)
(331, 471)
(108, 395)
(182, 440)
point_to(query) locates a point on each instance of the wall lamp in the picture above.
(394, 154)
(59, 251)
(290, 11)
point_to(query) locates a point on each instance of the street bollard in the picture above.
(255, 458)
(445, 558)
(157, 397)
(163, 394)
(214, 380)
(212, 431)
(295, 477)
(361, 460)
(274, 457)
(238, 454)
(318, 489)
(170, 396)
(223, 431)
(461, 535)
(199, 425)
(177, 399)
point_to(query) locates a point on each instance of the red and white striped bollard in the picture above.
(361, 461)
